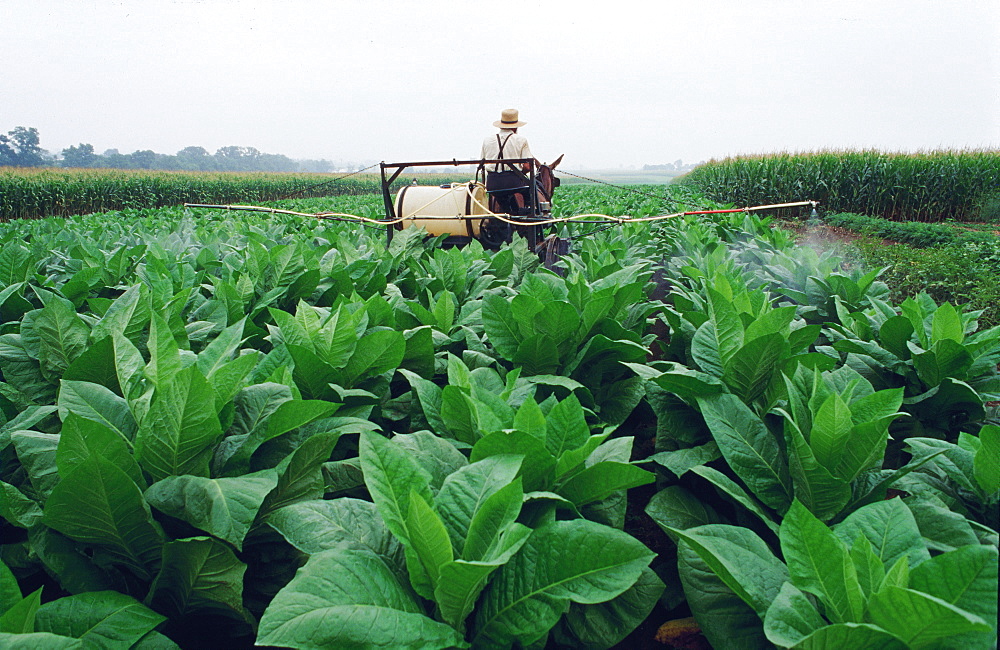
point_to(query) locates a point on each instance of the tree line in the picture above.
(20, 148)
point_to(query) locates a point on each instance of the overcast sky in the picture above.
(609, 84)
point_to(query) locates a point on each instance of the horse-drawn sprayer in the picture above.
(465, 211)
(468, 211)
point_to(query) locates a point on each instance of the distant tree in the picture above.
(195, 159)
(7, 154)
(115, 160)
(272, 162)
(145, 159)
(237, 159)
(20, 148)
(81, 156)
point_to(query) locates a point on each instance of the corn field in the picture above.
(28, 193)
(930, 186)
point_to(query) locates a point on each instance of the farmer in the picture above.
(501, 146)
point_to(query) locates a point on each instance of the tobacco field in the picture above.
(222, 429)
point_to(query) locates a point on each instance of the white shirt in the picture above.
(514, 146)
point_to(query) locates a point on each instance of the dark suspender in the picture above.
(501, 145)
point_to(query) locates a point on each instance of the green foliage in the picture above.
(45, 192)
(867, 581)
(932, 186)
(918, 234)
(961, 274)
(304, 437)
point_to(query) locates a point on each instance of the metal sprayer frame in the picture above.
(480, 163)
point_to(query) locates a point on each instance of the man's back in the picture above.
(514, 145)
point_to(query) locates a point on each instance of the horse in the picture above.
(515, 202)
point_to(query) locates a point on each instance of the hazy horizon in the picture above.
(398, 81)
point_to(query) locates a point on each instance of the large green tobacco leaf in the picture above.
(177, 434)
(300, 475)
(375, 353)
(199, 573)
(562, 562)
(957, 463)
(680, 461)
(280, 419)
(348, 598)
(312, 374)
(815, 486)
(98, 504)
(220, 351)
(601, 480)
(10, 592)
(466, 491)
(37, 453)
(947, 324)
(732, 489)
(606, 624)
(538, 467)
(97, 403)
(252, 407)
(394, 480)
(437, 455)
(566, 427)
(791, 617)
(751, 368)
(890, 528)
(870, 570)
(96, 364)
(741, 559)
(986, 463)
(391, 475)
(725, 619)
(537, 355)
(850, 635)
(19, 618)
(39, 641)
(13, 304)
(429, 543)
(429, 395)
(223, 507)
(462, 580)
(101, 619)
(492, 521)
(315, 526)
(942, 528)
(26, 419)
(164, 353)
(62, 337)
(946, 358)
(819, 563)
(965, 578)
(919, 619)
(127, 315)
(675, 507)
(16, 508)
(69, 564)
(749, 448)
(81, 438)
(480, 504)
(831, 427)
(459, 414)
(500, 325)
(17, 264)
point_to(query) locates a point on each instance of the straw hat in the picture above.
(508, 119)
